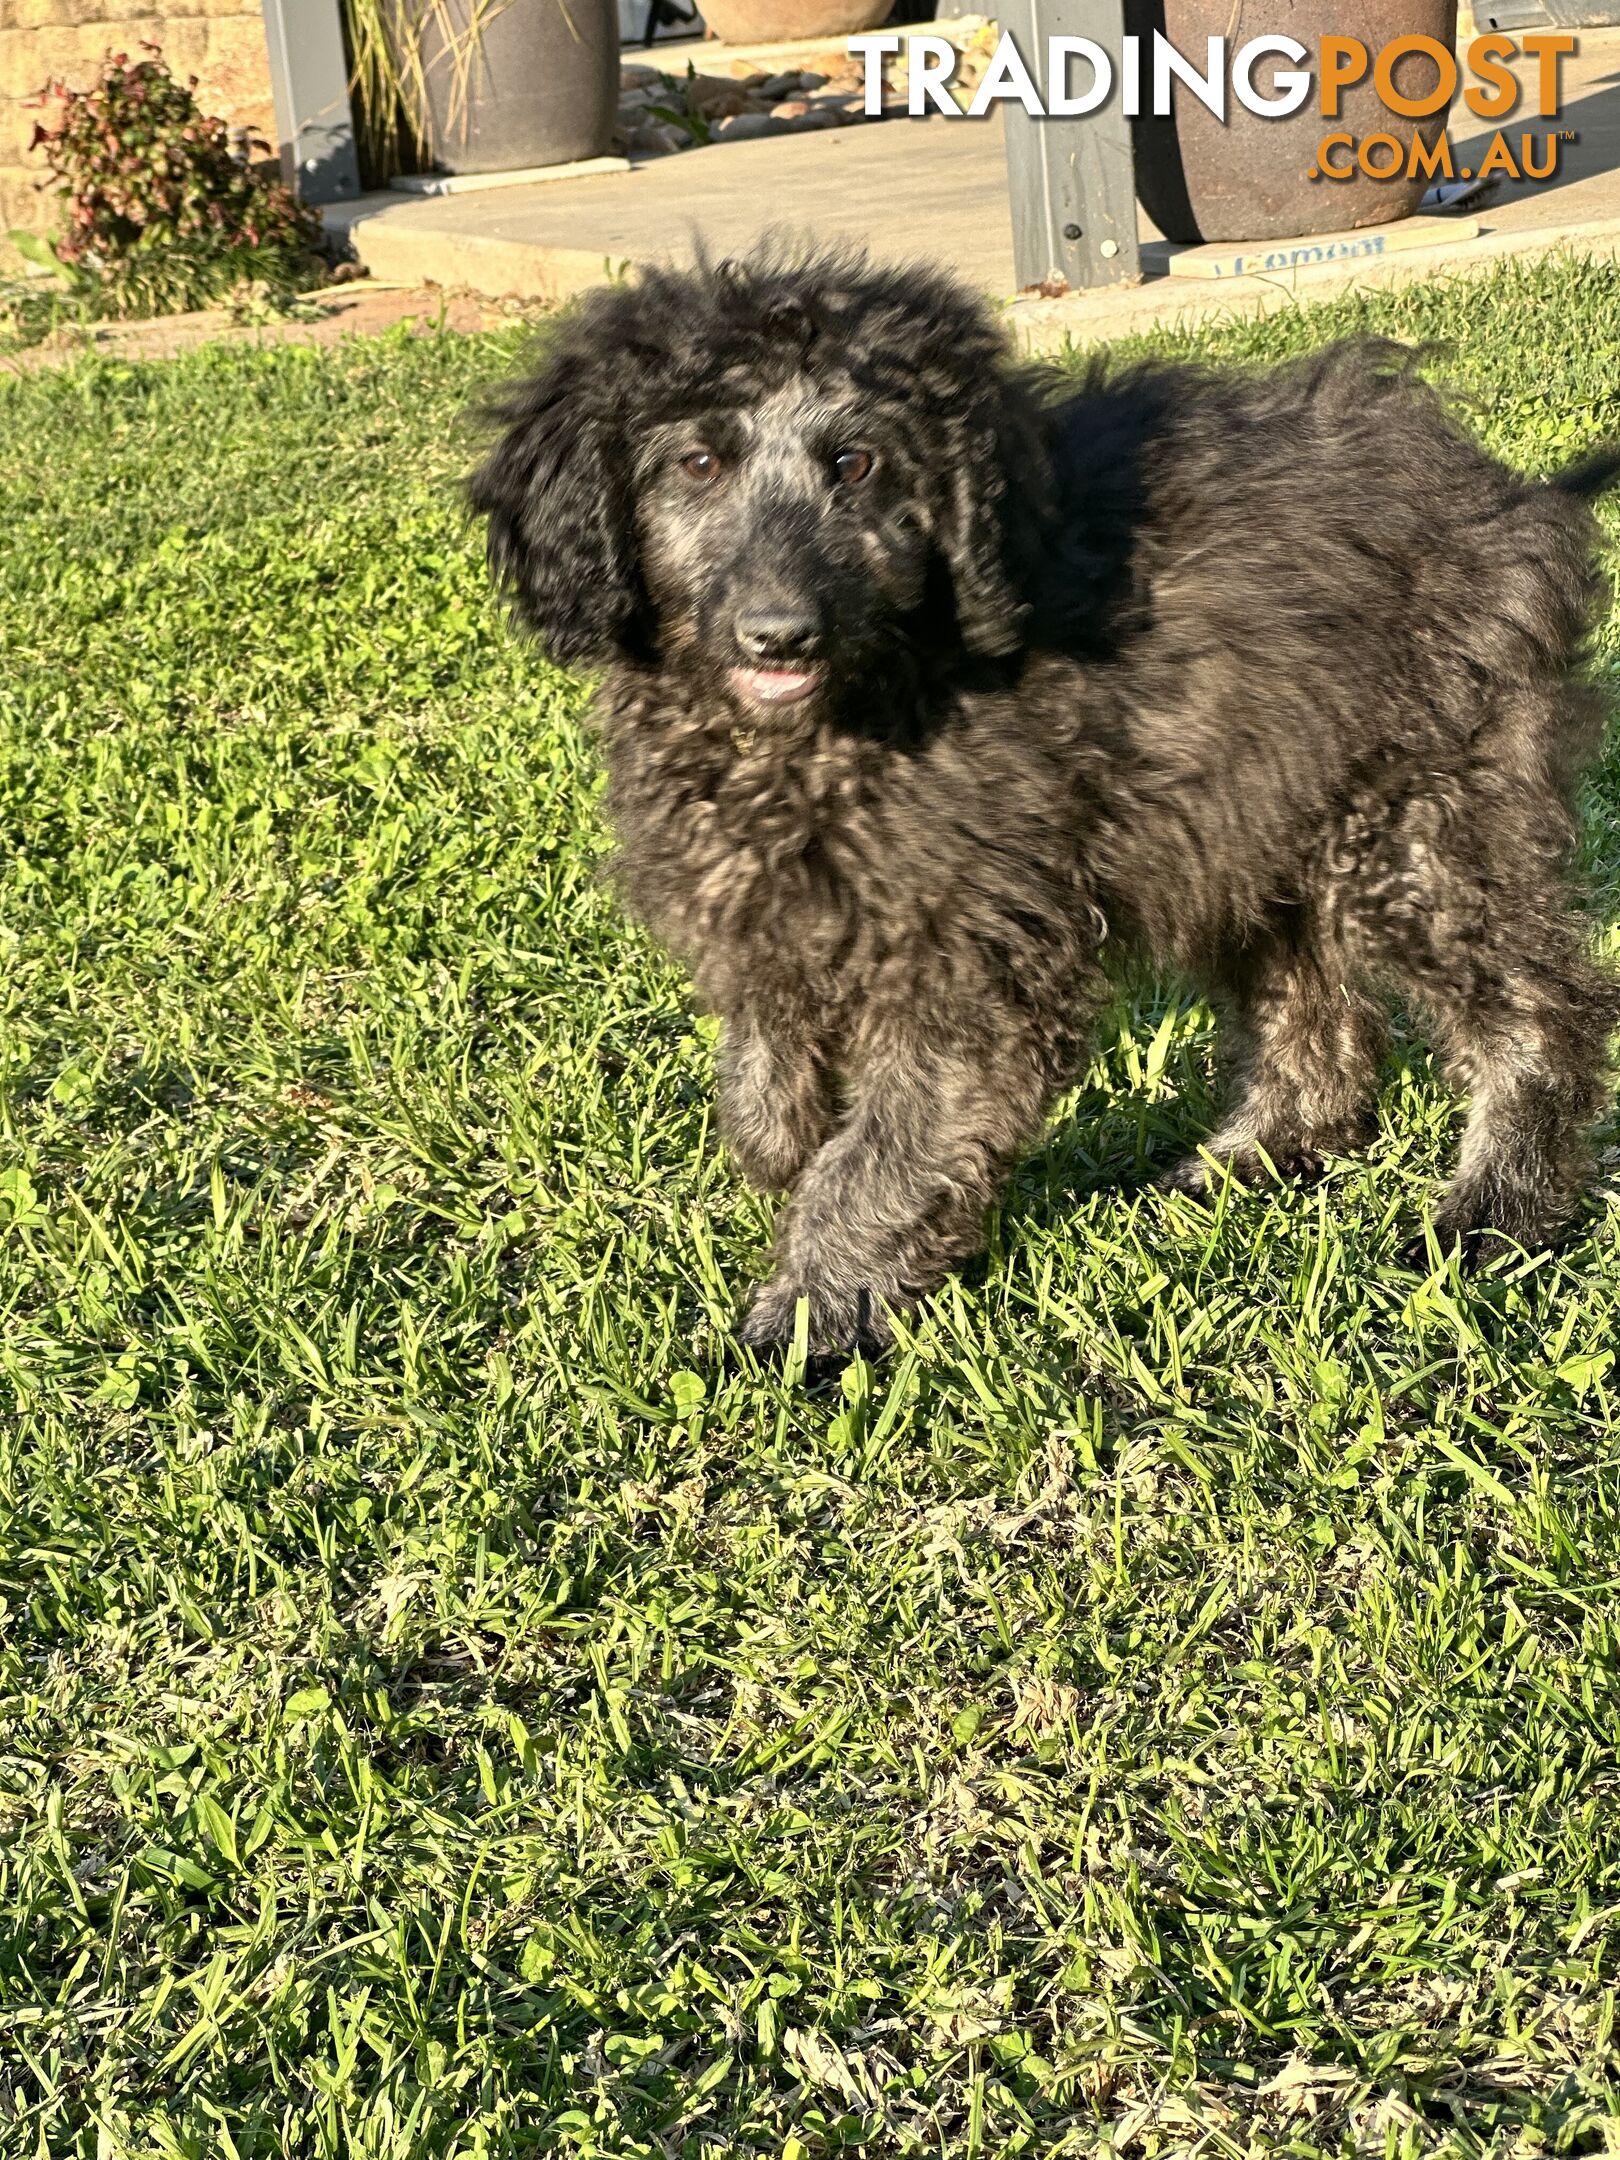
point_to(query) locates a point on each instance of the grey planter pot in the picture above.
(1542, 15)
(1247, 179)
(769, 22)
(539, 86)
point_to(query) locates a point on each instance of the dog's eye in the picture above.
(701, 465)
(851, 466)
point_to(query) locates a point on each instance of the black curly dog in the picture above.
(929, 677)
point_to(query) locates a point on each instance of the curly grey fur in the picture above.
(1271, 678)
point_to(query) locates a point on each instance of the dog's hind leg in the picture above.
(1305, 1040)
(1525, 1028)
(1462, 906)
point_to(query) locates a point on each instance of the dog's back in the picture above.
(1316, 585)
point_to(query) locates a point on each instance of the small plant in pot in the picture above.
(478, 86)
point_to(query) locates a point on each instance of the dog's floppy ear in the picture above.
(555, 492)
(977, 544)
(998, 484)
(934, 351)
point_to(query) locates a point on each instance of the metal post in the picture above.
(1072, 182)
(309, 80)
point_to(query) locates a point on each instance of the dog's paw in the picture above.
(841, 1323)
(1476, 1246)
(1485, 1222)
(1201, 1175)
(1192, 1174)
(1473, 1249)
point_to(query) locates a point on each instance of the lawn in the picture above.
(447, 1705)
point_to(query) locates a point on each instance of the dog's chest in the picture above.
(775, 857)
(852, 866)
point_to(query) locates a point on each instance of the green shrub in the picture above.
(160, 212)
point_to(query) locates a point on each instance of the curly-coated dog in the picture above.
(929, 678)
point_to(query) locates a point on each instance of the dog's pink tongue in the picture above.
(775, 686)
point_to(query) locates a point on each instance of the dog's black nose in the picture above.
(778, 633)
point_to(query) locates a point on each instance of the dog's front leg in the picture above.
(901, 1190)
(777, 1102)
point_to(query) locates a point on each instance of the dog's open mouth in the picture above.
(775, 686)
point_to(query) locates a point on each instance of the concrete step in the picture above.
(933, 190)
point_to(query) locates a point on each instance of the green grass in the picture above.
(447, 1708)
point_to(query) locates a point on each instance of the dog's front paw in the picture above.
(1475, 1249)
(1190, 1175)
(1203, 1175)
(1487, 1221)
(841, 1321)
(1464, 1230)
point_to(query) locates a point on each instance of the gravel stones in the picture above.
(739, 101)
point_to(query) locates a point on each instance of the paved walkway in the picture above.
(929, 188)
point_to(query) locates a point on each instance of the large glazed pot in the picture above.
(1249, 179)
(773, 22)
(512, 83)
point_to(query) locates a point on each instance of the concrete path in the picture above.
(933, 189)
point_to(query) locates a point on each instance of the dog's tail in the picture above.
(1589, 476)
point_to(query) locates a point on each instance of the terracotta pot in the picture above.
(538, 85)
(1249, 180)
(774, 22)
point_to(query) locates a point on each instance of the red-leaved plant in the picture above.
(159, 210)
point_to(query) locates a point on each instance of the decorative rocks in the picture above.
(657, 138)
(661, 113)
(713, 97)
(743, 127)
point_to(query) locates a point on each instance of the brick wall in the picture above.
(221, 42)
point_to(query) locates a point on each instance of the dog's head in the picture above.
(765, 474)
